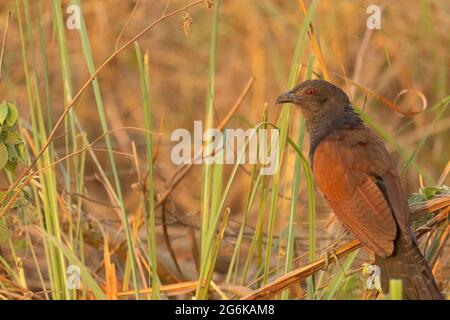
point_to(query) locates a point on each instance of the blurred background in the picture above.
(255, 39)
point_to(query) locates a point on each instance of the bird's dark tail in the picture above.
(408, 264)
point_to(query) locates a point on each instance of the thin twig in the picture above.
(126, 23)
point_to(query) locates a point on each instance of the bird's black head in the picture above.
(315, 96)
(324, 106)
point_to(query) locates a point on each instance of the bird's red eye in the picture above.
(311, 92)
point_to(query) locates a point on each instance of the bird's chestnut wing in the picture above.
(347, 165)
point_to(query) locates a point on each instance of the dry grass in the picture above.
(73, 182)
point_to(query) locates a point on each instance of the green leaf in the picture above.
(429, 192)
(20, 148)
(3, 111)
(11, 165)
(27, 193)
(12, 153)
(12, 137)
(12, 115)
(3, 155)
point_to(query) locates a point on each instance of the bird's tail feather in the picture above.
(408, 264)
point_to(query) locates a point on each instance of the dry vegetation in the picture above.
(66, 202)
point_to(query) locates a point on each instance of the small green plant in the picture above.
(12, 147)
(428, 192)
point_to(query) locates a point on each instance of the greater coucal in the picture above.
(354, 171)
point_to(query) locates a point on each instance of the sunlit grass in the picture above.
(230, 229)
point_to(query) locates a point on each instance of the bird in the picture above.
(355, 173)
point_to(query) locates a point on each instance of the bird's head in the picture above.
(323, 105)
(315, 96)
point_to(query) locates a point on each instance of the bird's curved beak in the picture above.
(287, 97)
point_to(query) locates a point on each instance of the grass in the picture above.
(96, 183)
(211, 173)
(150, 217)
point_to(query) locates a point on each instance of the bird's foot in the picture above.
(330, 253)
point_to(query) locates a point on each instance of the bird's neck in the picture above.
(319, 125)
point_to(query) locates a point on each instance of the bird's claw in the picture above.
(330, 252)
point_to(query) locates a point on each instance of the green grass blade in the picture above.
(151, 234)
